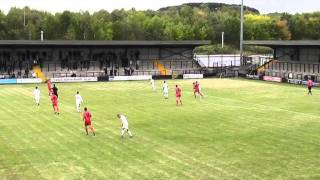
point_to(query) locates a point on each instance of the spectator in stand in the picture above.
(131, 71)
(26, 73)
(105, 71)
(13, 76)
(34, 75)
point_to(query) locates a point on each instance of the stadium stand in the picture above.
(291, 59)
(97, 58)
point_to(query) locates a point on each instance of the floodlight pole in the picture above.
(222, 40)
(241, 33)
(24, 16)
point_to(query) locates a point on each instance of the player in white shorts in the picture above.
(36, 93)
(124, 125)
(165, 88)
(79, 100)
(152, 84)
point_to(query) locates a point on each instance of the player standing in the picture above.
(165, 89)
(54, 100)
(87, 121)
(152, 84)
(36, 93)
(310, 85)
(178, 96)
(124, 125)
(79, 100)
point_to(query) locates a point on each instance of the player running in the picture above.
(178, 96)
(124, 125)
(152, 84)
(165, 89)
(310, 85)
(79, 100)
(54, 100)
(198, 89)
(194, 89)
(36, 93)
(87, 121)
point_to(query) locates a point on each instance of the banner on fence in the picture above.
(192, 76)
(29, 81)
(302, 82)
(8, 81)
(74, 79)
(252, 76)
(130, 78)
(273, 79)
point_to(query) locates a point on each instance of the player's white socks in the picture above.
(129, 133)
(123, 131)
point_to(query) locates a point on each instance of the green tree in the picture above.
(155, 28)
(3, 26)
(102, 26)
(15, 24)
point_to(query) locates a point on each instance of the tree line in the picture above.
(185, 22)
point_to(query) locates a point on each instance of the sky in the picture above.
(53, 6)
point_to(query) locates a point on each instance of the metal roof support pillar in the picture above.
(241, 33)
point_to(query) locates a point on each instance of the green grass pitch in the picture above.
(241, 130)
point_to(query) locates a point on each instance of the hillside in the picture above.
(211, 6)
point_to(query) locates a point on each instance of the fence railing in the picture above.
(293, 67)
(121, 73)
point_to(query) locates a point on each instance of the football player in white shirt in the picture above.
(36, 93)
(79, 100)
(165, 89)
(152, 84)
(124, 125)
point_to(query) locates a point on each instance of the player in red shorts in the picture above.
(194, 89)
(310, 85)
(87, 121)
(198, 89)
(54, 100)
(178, 95)
(49, 84)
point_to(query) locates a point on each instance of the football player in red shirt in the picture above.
(178, 95)
(198, 89)
(87, 121)
(194, 89)
(54, 100)
(49, 84)
(310, 85)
